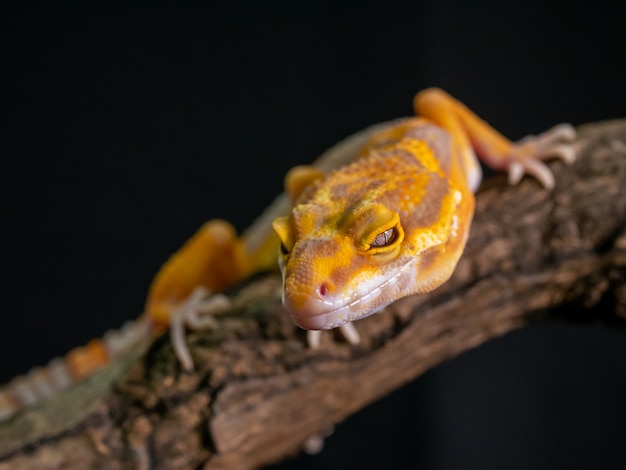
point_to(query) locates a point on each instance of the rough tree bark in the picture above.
(258, 392)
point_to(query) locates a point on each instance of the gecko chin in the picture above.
(311, 315)
(316, 312)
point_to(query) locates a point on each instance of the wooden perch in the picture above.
(258, 393)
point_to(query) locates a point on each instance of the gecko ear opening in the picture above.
(298, 178)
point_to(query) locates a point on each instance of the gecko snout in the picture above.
(306, 306)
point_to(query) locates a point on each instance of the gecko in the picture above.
(382, 215)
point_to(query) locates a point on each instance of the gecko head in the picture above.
(342, 270)
(366, 235)
(348, 269)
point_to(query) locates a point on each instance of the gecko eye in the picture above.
(377, 230)
(385, 238)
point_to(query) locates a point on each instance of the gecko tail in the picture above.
(41, 383)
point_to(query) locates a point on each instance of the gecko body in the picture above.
(381, 215)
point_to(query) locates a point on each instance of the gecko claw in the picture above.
(314, 444)
(567, 153)
(516, 172)
(348, 331)
(198, 313)
(560, 133)
(313, 338)
(535, 168)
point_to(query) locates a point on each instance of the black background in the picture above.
(122, 129)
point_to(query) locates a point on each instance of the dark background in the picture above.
(123, 129)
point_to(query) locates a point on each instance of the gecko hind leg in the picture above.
(198, 313)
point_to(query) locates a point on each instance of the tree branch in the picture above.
(258, 393)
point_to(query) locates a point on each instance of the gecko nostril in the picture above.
(323, 290)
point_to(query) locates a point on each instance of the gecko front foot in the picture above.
(348, 331)
(527, 155)
(198, 313)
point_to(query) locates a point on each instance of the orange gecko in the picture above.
(381, 215)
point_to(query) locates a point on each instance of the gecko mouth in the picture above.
(332, 311)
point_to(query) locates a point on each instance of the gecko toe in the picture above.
(516, 172)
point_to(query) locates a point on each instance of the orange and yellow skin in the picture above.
(335, 271)
(413, 178)
(382, 215)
